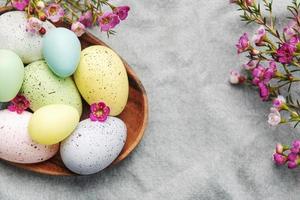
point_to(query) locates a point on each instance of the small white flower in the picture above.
(274, 117)
(234, 77)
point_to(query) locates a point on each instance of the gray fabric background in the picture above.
(205, 139)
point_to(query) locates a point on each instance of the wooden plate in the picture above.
(135, 115)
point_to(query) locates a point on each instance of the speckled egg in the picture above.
(16, 145)
(53, 123)
(101, 76)
(13, 36)
(93, 145)
(41, 87)
(61, 50)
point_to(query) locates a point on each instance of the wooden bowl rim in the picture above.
(130, 73)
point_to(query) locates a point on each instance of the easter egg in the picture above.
(11, 75)
(101, 76)
(41, 87)
(13, 36)
(93, 145)
(61, 49)
(16, 144)
(53, 123)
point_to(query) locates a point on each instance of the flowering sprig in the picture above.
(273, 67)
(82, 14)
(274, 57)
(289, 155)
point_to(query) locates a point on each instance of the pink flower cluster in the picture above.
(287, 155)
(261, 78)
(286, 51)
(19, 104)
(106, 21)
(54, 12)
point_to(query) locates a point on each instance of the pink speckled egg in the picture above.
(15, 142)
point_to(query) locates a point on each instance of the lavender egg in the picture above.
(93, 145)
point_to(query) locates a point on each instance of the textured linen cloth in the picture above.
(205, 138)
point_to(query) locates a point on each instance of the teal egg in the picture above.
(61, 50)
(11, 75)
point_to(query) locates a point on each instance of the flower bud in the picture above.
(40, 5)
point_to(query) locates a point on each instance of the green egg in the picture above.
(41, 87)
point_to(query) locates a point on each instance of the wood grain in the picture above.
(135, 115)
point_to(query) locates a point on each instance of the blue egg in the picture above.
(61, 50)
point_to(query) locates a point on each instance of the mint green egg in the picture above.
(41, 87)
(11, 75)
(61, 50)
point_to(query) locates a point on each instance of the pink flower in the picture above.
(86, 19)
(285, 53)
(263, 91)
(292, 164)
(279, 159)
(20, 4)
(279, 102)
(249, 2)
(34, 25)
(99, 112)
(19, 104)
(78, 28)
(251, 65)
(108, 21)
(243, 43)
(258, 38)
(263, 75)
(274, 117)
(295, 146)
(54, 12)
(121, 11)
(289, 30)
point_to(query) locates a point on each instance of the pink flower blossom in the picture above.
(34, 25)
(78, 28)
(121, 11)
(249, 2)
(263, 75)
(285, 53)
(108, 21)
(259, 36)
(289, 30)
(274, 118)
(295, 146)
(54, 12)
(99, 112)
(279, 102)
(19, 104)
(20, 4)
(86, 19)
(279, 159)
(292, 164)
(243, 43)
(263, 91)
(251, 65)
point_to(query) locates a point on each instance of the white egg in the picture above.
(93, 145)
(16, 144)
(13, 36)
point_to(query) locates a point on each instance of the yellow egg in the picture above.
(53, 123)
(101, 76)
